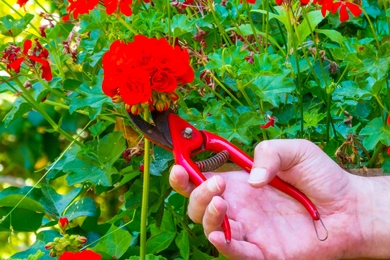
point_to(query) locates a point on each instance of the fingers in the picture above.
(236, 249)
(202, 196)
(180, 182)
(273, 156)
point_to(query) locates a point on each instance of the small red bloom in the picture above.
(21, 3)
(344, 16)
(326, 6)
(249, 1)
(31, 57)
(79, 7)
(124, 6)
(271, 122)
(63, 223)
(388, 120)
(305, 2)
(83, 255)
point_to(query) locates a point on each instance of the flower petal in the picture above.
(16, 64)
(355, 9)
(344, 16)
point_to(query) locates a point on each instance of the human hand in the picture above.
(266, 223)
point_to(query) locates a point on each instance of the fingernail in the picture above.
(257, 175)
(212, 208)
(212, 185)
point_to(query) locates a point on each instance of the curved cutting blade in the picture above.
(159, 133)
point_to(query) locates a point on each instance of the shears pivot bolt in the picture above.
(187, 133)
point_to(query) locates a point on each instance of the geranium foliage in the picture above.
(78, 181)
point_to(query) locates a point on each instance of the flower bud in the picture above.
(173, 96)
(117, 99)
(63, 223)
(160, 105)
(49, 246)
(82, 239)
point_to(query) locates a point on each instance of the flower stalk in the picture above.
(145, 193)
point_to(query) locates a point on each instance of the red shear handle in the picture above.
(216, 144)
(182, 150)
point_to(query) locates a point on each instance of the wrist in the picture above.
(372, 236)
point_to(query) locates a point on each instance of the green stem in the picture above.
(219, 25)
(35, 104)
(120, 19)
(381, 104)
(245, 39)
(371, 26)
(329, 97)
(181, 101)
(169, 22)
(66, 107)
(299, 86)
(145, 193)
(259, 46)
(248, 100)
(388, 91)
(215, 93)
(226, 90)
(266, 27)
(374, 157)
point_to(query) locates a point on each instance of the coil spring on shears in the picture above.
(213, 162)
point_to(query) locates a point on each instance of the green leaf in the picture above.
(198, 255)
(84, 168)
(148, 257)
(114, 243)
(55, 203)
(20, 107)
(16, 220)
(84, 207)
(269, 88)
(162, 158)
(180, 25)
(99, 127)
(91, 98)
(71, 84)
(332, 34)
(312, 20)
(10, 26)
(374, 133)
(42, 239)
(159, 242)
(386, 167)
(111, 147)
(183, 244)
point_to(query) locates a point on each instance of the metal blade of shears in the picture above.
(158, 133)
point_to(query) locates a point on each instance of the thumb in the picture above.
(273, 156)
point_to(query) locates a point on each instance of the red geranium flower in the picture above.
(326, 5)
(344, 16)
(124, 6)
(21, 3)
(271, 122)
(41, 58)
(135, 72)
(79, 7)
(83, 255)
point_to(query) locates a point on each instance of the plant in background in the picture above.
(71, 71)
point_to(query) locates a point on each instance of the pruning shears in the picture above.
(177, 135)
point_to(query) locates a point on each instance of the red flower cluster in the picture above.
(145, 70)
(83, 255)
(14, 57)
(343, 5)
(78, 7)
